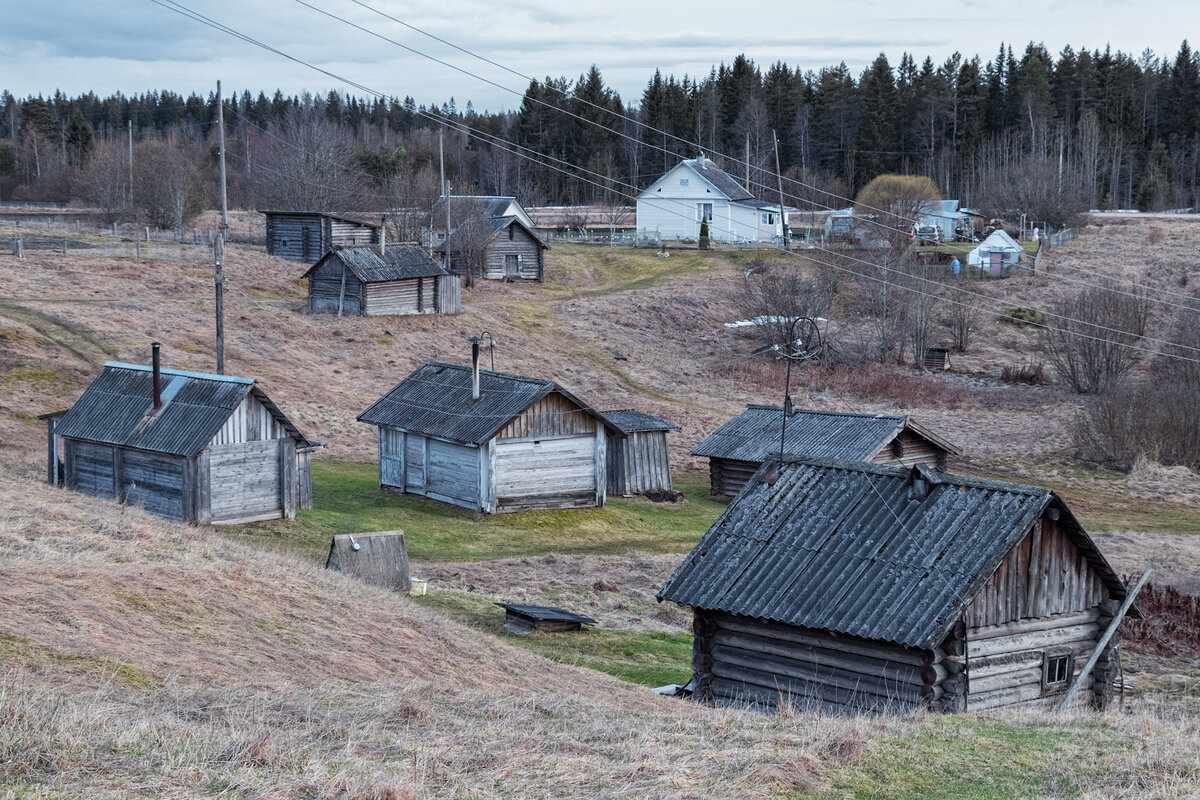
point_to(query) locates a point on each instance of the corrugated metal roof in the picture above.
(546, 613)
(631, 420)
(492, 205)
(844, 547)
(402, 261)
(351, 217)
(116, 408)
(435, 400)
(754, 434)
(497, 224)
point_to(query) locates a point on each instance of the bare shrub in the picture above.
(1159, 422)
(1180, 360)
(1093, 342)
(774, 295)
(1032, 374)
(961, 321)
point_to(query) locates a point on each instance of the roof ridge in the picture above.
(900, 470)
(492, 372)
(204, 376)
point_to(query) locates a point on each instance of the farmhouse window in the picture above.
(1056, 672)
(683, 181)
(704, 212)
(768, 219)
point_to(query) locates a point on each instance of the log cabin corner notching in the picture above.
(737, 448)
(855, 586)
(214, 449)
(525, 443)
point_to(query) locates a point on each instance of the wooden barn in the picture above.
(489, 441)
(639, 462)
(514, 251)
(402, 279)
(736, 449)
(856, 587)
(186, 446)
(308, 235)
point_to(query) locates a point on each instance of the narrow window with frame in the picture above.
(1057, 670)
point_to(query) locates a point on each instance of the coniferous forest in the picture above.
(1021, 132)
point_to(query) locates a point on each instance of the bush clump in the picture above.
(1022, 316)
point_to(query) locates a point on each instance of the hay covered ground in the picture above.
(140, 658)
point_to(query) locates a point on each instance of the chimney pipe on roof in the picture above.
(474, 340)
(154, 348)
(383, 236)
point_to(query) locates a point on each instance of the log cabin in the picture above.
(187, 446)
(490, 441)
(514, 252)
(639, 462)
(308, 235)
(737, 448)
(362, 280)
(852, 587)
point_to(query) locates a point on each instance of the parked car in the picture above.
(926, 234)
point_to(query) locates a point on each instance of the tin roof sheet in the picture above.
(630, 420)
(754, 434)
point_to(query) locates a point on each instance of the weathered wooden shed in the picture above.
(514, 251)
(186, 446)
(737, 448)
(494, 443)
(856, 586)
(379, 558)
(638, 463)
(361, 280)
(308, 235)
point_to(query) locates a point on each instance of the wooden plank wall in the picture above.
(325, 289)
(153, 481)
(1044, 575)
(90, 468)
(398, 297)
(558, 472)
(343, 232)
(449, 294)
(553, 415)
(741, 660)
(245, 481)
(251, 421)
(910, 449)
(380, 560)
(638, 464)
(726, 477)
(299, 238)
(531, 265)
(453, 472)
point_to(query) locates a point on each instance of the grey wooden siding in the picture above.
(244, 481)
(154, 482)
(449, 295)
(727, 477)
(307, 237)
(325, 289)
(391, 457)
(910, 449)
(251, 421)
(91, 469)
(639, 463)
(413, 467)
(546, 473)
(453, 473)
(742, 660)
(411, 296)
(530, 259)
(553, 415)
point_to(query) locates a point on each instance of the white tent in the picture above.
(994, 253)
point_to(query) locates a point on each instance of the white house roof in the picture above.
(720, 180)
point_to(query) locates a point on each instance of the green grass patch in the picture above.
(36, 656)
(964, 758)
(39, 377)
(347, 499)
(651, 659)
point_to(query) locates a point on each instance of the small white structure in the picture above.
(995, 253)
(696, 189)
(945, 216)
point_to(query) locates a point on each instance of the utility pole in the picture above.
(219, 245)
(779, 177)
(129, 130)
(446, 195)
(747, 162)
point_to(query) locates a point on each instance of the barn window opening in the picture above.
(683, 181)
(1056, 672)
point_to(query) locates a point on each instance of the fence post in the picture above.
(147, 233)
(137, 248)
(64, 246)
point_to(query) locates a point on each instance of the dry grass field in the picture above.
(144, 659)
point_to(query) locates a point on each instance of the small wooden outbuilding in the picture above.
(736, 449)
(514, 251)
(186, 446)
(853, 587)
(490, 441)
(308, 235)
(638, 463)
(361, 280)
(379, 558)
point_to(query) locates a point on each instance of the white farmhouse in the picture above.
(697, 189)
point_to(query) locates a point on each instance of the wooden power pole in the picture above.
(783, 226)
(219, 245)
(129, 131)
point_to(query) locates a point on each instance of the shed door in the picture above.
(512, 266)
(414, 464)
(92, 467)
(997, 262)
(546, 473)
(245, 481)
(153, 482)
(391, 457)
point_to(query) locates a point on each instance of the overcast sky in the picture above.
(134, 46)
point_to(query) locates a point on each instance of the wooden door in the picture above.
(512, 267)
